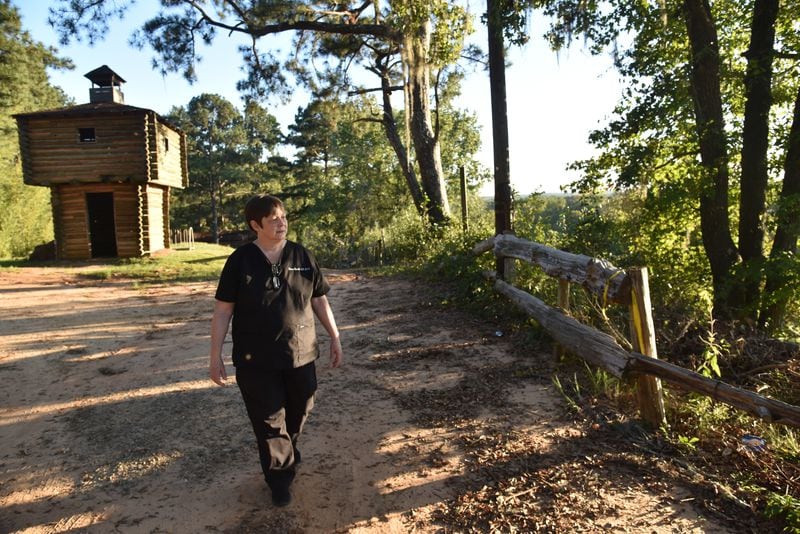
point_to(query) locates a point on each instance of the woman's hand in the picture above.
(216, 371)
(336, 352)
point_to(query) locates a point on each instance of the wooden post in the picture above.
(643, 337)
(464, 212)
(563, 303)
(508, 265)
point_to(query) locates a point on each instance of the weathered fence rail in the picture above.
(628, 287)
(596, 275)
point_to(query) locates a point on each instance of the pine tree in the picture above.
(25, 220)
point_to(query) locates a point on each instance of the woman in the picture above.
(272, 288)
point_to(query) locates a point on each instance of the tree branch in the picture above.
(347, 28)
(368, 119)
(436, 103)
(374, 90)
(786, 55)
(375, 30)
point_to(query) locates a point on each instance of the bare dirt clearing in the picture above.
(109, 424)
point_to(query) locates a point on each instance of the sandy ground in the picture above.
(109, 424)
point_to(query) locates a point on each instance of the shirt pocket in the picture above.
(304, 339)
(251, 291)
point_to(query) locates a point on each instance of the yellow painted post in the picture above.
(649, 392)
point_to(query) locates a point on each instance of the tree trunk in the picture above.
(714, 219)
(502, 167)
(784, 245)
(755, 143)
(390, 126)
(426, 142)
(214, 211)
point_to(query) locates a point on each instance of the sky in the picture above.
(554, 100)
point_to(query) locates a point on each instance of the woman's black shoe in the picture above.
(281, 498)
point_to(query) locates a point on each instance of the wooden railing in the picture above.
(627, 287)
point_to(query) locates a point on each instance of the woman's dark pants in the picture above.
(278, 403)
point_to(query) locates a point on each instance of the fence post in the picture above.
(464, 208)
(563, 303)
(648, 390)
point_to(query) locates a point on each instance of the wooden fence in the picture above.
(628, 287)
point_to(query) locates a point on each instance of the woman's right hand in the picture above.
(216, 371)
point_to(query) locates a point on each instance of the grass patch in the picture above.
(11, 264)
(203, 262)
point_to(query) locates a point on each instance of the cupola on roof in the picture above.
(104, 77)
(106, 86)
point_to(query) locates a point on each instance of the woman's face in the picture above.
(273, 226)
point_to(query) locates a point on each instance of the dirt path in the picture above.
(108, 424)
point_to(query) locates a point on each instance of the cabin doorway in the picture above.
(102, 232)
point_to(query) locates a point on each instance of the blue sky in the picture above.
(553, 101)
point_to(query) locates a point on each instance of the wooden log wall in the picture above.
(166, 155)
(165, 209)
(70, 219)
(154, 218)
(52, 152)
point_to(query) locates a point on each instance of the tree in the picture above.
(352, 189)
(782, 270)
(699, 116)
(226, 152)
(497, 80)
(713, 147)
(425, 34)
(352, 186)
(25, 220)
(312, 130)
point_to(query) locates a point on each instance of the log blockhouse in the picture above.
(110, 168)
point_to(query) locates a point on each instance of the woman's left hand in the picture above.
(336, 352)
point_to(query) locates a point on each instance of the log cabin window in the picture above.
(86, 135)
(166, 144)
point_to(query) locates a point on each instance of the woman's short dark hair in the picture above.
(261, 206)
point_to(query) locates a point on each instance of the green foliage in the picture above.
(25, 217)
(450, 22)
(700, 415)
(783, 441)
(348, 184)
(544, 218)
(350, 202)
(785, 507)
(650, 146)
(461, 140)
(601, 382)
(688, 443)
(572, 403)
(786, 265)
(226, 151)
(391, 40)
(713, 349)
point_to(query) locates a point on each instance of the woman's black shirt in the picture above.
(272, 328)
